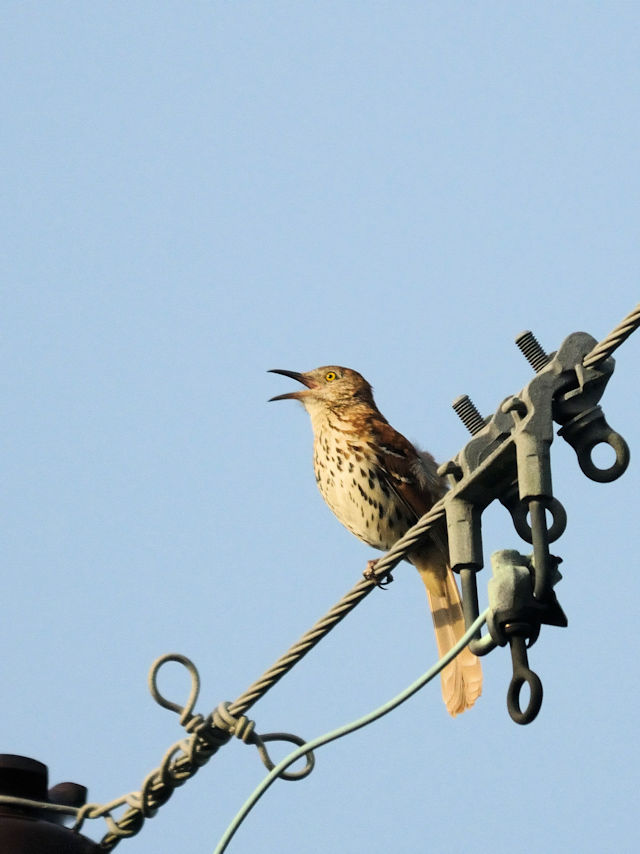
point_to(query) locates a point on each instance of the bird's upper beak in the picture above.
(295, 375)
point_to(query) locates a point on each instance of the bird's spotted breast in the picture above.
(353, 486)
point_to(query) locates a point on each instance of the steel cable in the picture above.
(614, 339)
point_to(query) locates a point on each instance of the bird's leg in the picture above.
(370, 575)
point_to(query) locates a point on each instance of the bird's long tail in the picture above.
(462, 678)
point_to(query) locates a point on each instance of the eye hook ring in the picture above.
(616, 469)
(523, 528)
(522, 674)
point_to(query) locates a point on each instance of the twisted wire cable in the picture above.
(207, 735)
(614, 339)
(339, 611)
(347, 729)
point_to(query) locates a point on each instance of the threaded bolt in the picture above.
(468, 414)
(532, 351)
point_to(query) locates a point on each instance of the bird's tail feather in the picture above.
(462, 678)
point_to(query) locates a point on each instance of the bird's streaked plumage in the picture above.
(378, 485)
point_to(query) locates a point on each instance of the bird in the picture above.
(379, 484)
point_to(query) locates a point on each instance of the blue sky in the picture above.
(194, 193)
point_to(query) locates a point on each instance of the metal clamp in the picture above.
(515, 619)
(508, 459)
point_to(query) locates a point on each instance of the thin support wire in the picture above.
(207, 735)
(347, 729)
(339, 611)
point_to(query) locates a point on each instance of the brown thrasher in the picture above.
(379, 485)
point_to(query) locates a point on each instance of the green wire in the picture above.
(345, 730)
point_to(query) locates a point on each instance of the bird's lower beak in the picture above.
(295, 375)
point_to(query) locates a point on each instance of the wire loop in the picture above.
(244, 729)
(293, 739)
(185, 712)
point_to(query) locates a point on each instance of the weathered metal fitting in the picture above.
(466, 410)
(532, 351)
(514, 404)
(519, 511)
(479, 645)
(464, 529)
(509, 589)
(533, 459)
(450, 470)
(582, 389)
(511, 599)
(528, 631)
(584, 433)
(515, 618)
(522, 674)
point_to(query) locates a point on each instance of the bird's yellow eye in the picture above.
(330, 377)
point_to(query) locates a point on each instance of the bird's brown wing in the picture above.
(403, 470)
(411, 476)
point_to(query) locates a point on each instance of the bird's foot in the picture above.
(370, 575)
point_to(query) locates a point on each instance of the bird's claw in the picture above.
(370, 574)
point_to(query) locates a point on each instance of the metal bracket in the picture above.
(508, 459)
(516, 617)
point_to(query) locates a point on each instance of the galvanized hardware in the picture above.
(508, 459)
(468, 413)
(584, 433)
(576, 409)
(512, 599)
(516, 616)
(532, 351)
(520, 513)
(522, 675)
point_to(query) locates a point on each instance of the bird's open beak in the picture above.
(292, 395)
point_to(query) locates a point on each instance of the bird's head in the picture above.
(330, 387)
